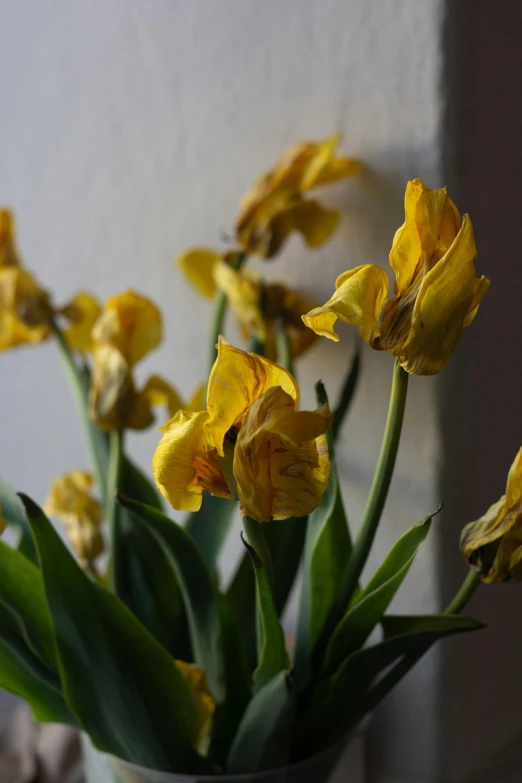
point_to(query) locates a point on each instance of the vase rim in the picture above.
(243, 776)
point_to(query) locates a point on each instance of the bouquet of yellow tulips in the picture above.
(128, 633)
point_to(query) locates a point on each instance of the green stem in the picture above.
(80, 384)
(220, 308)
(395, 675)
(381, 481)
(256, 539)
(347, 392)
(285, 356)
(113, 507)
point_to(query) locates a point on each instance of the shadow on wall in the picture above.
(480, 394)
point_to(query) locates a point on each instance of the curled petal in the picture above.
(280, 465)
(83, 312)
(131, 323)
(447, 294)
(236, 381)
(197, 681)
(70, 500)
(185, 464)
(358, 300)
(431, 224)
(493, 544)
(25, 309)
(198, 265)
(158, 391)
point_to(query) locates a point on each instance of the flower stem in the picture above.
(256, 539)
(80, 383)
(220, 308)
(464, 593)
(284, 349)
(381, 481)
(113, 507)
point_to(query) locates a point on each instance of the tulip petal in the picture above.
(444, 299)
(198, 265)
(131, 323)
(358, 300)
(25, 309)
(236, 380)
(243, 289)
(184, 463)
(8, 253)
(70, 501)
(281, 465)
(159, 392)
(481, 286)
(83, 312)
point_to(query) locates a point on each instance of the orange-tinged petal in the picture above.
(131, 323)
(184, 463)
(198, 265)
(445, 297)
(276, 460)
(237, 379)
(358, 300)
(83, 312)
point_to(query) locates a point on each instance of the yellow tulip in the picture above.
(25, 309)
(131, 323)
(493, 544)
(436, 291)
(127, 329)
(197, 682)
(198, 266)
(82, 311)
(251, 407)
(70, 500)
(276, 206)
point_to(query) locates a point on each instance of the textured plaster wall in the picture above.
(130, 128)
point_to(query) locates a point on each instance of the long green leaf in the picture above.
(327, 549)
(135, 484)
(362, 617)
(209, 527)
(13, 512)
(123, 686)
(22, 591)
(197, 589)
(273, 657)
(46, 703)
(262, 740)
(338, 703)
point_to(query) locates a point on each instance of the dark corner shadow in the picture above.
(480, 392)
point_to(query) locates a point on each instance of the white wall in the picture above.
(129, 130)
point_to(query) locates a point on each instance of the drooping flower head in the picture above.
(277, 205)
(71, 501)
(493, 544)
(436, 292)
(280, 457)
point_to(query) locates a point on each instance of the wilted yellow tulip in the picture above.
(197, 682)
(276, 206)
(127, 329)
(82, 311)
(436, 291)
(493, 544)
(252, 408)
(70, 501)
(25, 309)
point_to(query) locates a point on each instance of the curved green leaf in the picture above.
(273, 657)
(262, 739)
(123, 686)
(327, 550)
(371, 604)
(197, 589)
(22, 591)
(209, 527)
(46, 703)
(13, 512)
(135, 484)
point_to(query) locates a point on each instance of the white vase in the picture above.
(340, 764)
